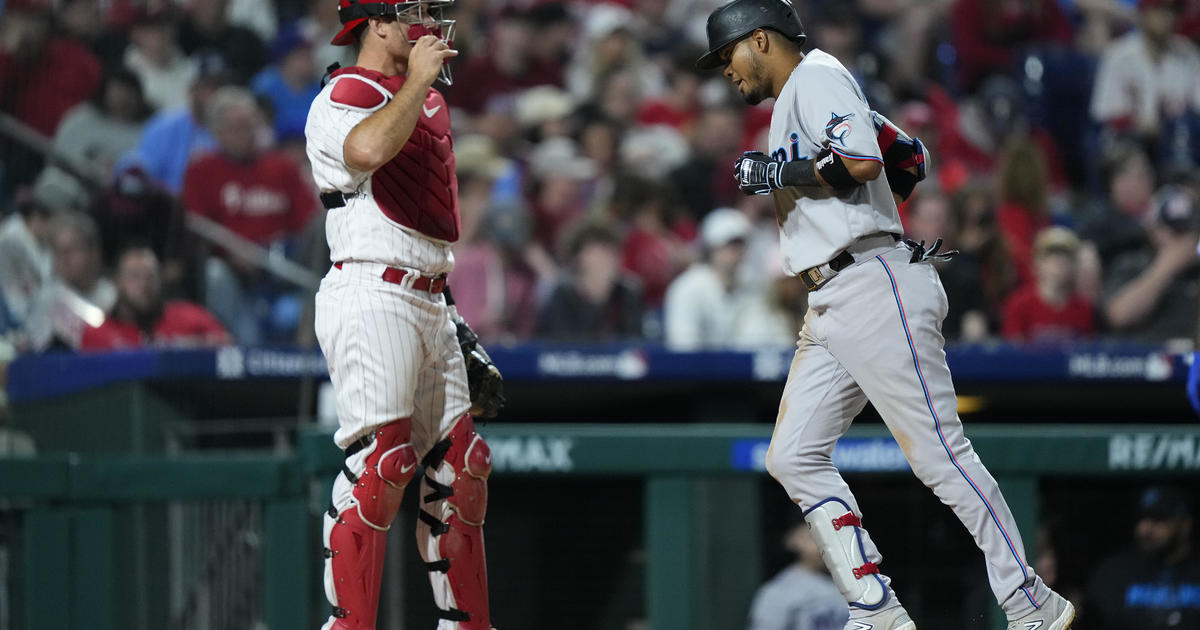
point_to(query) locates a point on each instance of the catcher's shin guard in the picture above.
(450, 530)
(366, 497)
(837, 530)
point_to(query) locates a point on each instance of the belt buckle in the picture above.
(814, 277)
(437, 284)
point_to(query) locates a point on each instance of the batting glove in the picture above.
(756, 173)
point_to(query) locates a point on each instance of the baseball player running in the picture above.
(399, 357)
(873, 328)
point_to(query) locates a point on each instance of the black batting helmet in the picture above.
(735, 20)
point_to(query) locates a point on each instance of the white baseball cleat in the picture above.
(1056, 613)
(891, 618)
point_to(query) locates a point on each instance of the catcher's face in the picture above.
(744, 69)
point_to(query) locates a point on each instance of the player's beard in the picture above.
(755, 95)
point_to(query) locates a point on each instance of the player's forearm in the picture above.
(830, 170)
(380, 136)
(1138, 298)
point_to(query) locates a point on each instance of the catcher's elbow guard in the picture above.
(838, 533)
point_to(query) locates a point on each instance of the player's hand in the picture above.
(426, 58)
(756, 173)
(484, 381)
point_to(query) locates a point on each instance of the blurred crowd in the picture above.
(594, 168)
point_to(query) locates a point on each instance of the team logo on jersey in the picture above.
(838, 126)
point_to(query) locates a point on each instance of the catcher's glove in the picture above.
(483, 377)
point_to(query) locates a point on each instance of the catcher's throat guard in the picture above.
(423, 17)
(837, 531)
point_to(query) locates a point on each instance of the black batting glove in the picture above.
(757, 174)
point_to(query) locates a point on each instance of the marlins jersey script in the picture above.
(821, 104)
(375, 225)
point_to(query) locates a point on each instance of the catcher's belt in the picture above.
(409, 279)
(816, 277)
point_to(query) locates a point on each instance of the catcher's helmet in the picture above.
(425, 17)
(735, 20)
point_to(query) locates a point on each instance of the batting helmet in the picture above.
(735, 20)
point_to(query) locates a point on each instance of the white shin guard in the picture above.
(837, 531)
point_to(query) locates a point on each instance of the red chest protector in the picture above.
(417, 188)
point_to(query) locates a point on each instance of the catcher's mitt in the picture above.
(483, 377)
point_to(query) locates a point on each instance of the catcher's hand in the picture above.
(483, 377)
(756, 173)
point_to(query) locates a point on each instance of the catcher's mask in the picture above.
(423, 17)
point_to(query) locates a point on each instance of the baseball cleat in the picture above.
(1056, 613)
(892, 618)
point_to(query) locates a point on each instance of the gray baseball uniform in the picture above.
(873, 331)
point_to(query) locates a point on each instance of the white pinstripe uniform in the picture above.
(394, 360)
(392, 351)
(873, 331)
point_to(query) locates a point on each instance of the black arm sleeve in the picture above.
(799, 173)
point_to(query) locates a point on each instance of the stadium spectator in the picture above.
(982, 248)
(290, 83)
(77, 261)
(1050, 310)
(801, 596)
(989, 34)
(653, 250)
(771, 316)
(154, 56)
(135, 209)
(81, 20)
(679, 106)
(931, 215)
(26, 268)
(1153, 585)
(556, 37)
(1148, 83)
(29, 47)
(319, 25)
(606, 48)
(39, 98)
(703, 181)
(479, 275)
(698, 313)
(488, 79)
(596, 302)
(599, 139)
(558, 191)
(1024, 202)
(206, 26)
(140, 316)
(1152, 291)
(259, 195)
(260, 16)
(95, 134)
(543, 112)
(172, 137)
(1115, 224)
